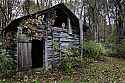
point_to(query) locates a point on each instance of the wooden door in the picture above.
(24, 55)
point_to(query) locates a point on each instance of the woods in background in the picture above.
(105, 19)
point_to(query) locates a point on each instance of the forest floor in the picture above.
(104, 70)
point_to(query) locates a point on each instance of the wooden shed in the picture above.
(38, 39)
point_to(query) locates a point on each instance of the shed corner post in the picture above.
(46, 56)
(81, 37)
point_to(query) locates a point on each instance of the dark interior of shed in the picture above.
(61, 18)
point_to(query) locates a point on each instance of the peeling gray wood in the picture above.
(24, 55)
(81, 36)
(46, 56)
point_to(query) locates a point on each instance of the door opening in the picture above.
(37, 53)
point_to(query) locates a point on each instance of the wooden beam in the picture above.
(46, 56)
(81, 36)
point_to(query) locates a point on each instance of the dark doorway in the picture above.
(37, 53)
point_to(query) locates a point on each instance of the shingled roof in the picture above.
(59, 7)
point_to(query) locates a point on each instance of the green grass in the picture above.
(36, 81)
(3, 81)
(110, 70)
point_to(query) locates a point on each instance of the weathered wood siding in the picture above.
(24, 55)
(65, 40)
(51, 56)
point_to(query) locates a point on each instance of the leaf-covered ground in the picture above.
(105, 70)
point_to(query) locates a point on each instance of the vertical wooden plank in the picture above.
(17, 56)
(46, 56)
(22, 54)
(81, 36)
(25, 55)
(29, 54)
